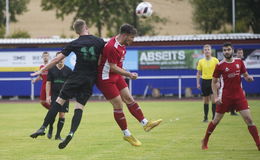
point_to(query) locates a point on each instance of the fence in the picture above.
(130, 81)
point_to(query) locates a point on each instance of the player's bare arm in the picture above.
(53, 62)
(36, 79)
(198, 79)
(114, 68)
(248, 78)
(214, 85)
(48, 92)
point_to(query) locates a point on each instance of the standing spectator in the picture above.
(206, 68)
(229, 71)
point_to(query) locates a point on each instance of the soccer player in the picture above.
(206, 68)
(80, 83)
(113, 86)
(43, 77)
(57, 75)
(231, 95)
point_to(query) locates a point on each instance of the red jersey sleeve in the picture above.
(243, 68)
(113, 55)
(217, 71)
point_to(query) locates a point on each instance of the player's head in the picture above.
(60, 63)
(227, 50)
(45, 57)
(240, 53)
(207, 50)
(80, 26)
(127, 32)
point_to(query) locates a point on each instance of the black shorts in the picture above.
(79, 86)
(64, 108)
(206, 87)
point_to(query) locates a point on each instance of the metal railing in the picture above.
(170, 77)
(130, 81)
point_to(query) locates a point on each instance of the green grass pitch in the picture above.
(99, 138)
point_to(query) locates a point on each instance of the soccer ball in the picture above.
(144, 10)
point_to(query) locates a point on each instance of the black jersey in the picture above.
(57, 78)
(87, 49)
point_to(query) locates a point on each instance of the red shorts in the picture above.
(43, 93)
(228, 104)
(111, 87)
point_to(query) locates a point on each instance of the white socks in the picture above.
(144, 122)
(126, 132)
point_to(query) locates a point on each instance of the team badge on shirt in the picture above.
(237, 65)
(226, 69)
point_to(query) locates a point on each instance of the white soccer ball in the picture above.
(144, 10)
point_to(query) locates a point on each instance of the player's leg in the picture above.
(246, 114)
(206, 98)
(50, 116)
(119, 117)
(43, 98)
(49, 134)
(136, 110)
(206, 107)
(112, 93)
(60, 125)
(75, 122)
(82, 93)
(211, 126)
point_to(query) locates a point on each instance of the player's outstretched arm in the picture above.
(247, 77)
(53, 62)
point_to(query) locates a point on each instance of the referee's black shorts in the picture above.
(79, 86)
(206, 87)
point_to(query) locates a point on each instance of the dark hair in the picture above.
(239, 49)
(128, 29)
(45, 53)
(227, 44)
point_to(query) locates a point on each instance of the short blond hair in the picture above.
(207, 46)
(79, 25)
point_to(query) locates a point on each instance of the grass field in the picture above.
(99, 138)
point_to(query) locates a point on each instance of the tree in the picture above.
(213, 15)
(16, 7)
(103, 14)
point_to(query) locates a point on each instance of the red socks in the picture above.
(253, 131)
(136, 111)
(210, 129)
(120, 118)
(46, 105)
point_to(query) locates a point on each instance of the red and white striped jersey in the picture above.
(113, 52)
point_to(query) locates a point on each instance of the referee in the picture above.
(206, 67)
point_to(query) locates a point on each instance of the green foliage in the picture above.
(20, 34)
(2, 32)
(210, 16)
(103, 14)
(16, 7)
